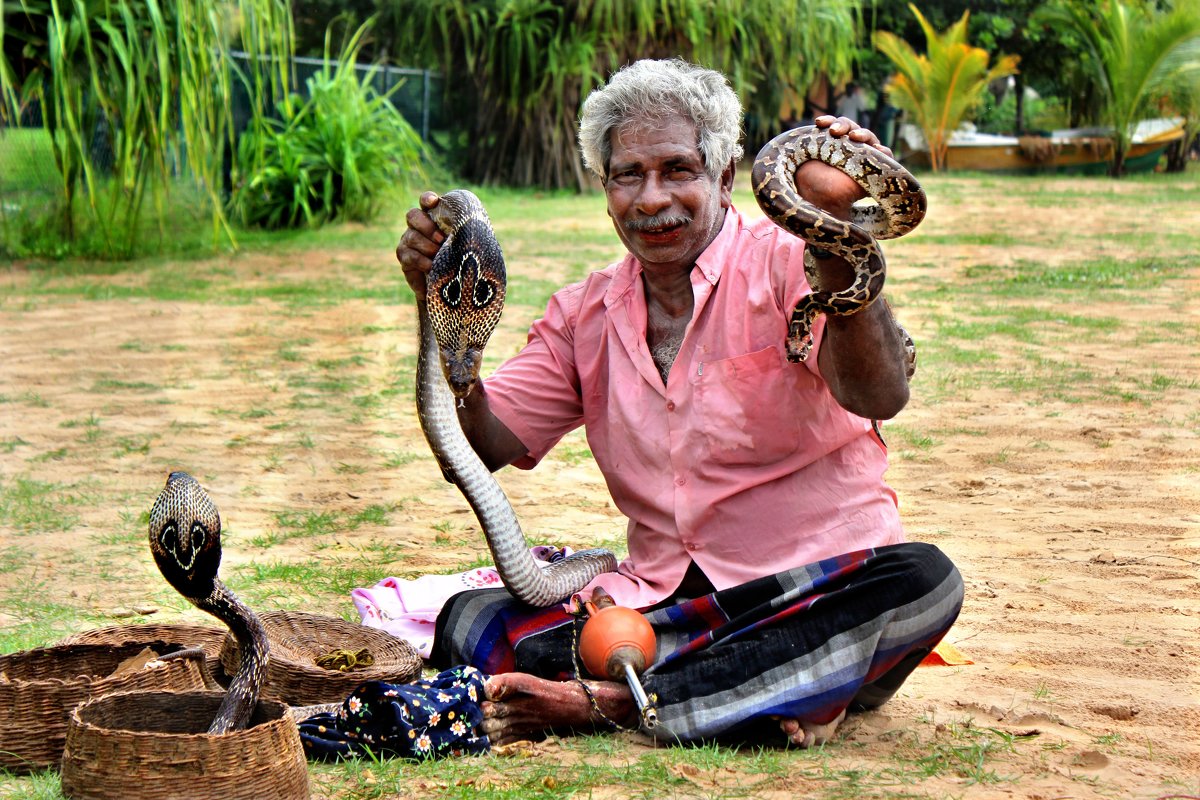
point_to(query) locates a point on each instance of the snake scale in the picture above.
(464, 298)
(899, 207)
(185, 539)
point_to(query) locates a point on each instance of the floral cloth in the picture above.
(419, 720)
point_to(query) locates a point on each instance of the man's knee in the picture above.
(925, 570)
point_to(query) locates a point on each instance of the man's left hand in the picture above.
(828, 187)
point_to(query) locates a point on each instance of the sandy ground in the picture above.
(1073, 515)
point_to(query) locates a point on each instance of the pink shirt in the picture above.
(743, 462)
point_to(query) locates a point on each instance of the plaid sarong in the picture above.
(805, 643)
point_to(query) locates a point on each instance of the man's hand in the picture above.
(419, 243)
(828, 187)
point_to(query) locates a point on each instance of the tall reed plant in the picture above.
(153, 78)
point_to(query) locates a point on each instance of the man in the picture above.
(763, 543)
(853, 104)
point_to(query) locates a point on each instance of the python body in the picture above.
(899, 207)
(464, 298)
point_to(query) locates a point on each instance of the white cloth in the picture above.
(408, 609)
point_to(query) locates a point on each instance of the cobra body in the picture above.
(899, 207)
(185, 538)
(464, 299)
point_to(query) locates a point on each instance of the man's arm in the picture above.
(496, 445)
(862, 356)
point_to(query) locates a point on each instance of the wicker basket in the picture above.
(208, 637)
(147, 746)
(297, 639)
(38, 689)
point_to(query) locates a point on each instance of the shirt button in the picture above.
(670, 405)
(680, 481)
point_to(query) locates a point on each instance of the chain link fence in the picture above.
(27, 171)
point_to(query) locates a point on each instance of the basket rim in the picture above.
(79, 679)
(92, 728)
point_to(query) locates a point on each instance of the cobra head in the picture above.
(465, 287)
(185, 536)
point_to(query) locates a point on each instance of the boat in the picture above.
(1070, 151)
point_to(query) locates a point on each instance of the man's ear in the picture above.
(727, 184)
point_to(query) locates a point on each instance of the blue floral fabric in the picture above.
(424, 719)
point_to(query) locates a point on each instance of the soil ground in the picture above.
(1071, 510)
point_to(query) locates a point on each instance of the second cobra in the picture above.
(464, 298)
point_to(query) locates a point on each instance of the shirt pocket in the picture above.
(747, 407)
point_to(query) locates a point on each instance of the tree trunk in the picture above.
(1019, 87)
(1177, 154)
(1117, 168)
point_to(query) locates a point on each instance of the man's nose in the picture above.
(654, 195)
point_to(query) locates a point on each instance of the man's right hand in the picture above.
(419, 243)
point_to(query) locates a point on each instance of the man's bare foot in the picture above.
(518, 706)
(807, 734)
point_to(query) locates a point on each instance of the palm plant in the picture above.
(1137, 54)
(939, 88)
(521, 68)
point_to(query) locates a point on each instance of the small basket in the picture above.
(297, 639)
(38, 689)
(151, 746)
(208, 637)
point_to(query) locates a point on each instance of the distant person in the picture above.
(853, 104)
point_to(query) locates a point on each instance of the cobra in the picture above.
(463, 301)
(185, 539)
(899, 207)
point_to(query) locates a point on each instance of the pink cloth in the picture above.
(744, 462)
(409, 608)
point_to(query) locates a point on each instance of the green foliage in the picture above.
(335, 155)
(519, 69)
(1136, 52)
(1183, 99)
(1040, 113)
(939, 88)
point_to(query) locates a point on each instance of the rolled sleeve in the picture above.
(536, 392)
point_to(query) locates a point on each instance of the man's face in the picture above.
(665, 207)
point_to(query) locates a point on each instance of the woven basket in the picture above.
(38, 689)
(150, 746)
(297, 639)
(208, 637)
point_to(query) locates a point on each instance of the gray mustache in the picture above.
(657, 221)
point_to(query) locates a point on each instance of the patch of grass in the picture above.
(29, 398)
(329, 578)
(1089, 276)
(116, 385)
(30, 505)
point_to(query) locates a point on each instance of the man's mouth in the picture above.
(658, 230)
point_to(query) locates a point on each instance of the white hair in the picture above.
(650, 91)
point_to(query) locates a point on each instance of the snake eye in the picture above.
(199, 534)
(168, 534)
(484, 292)
(452, 292)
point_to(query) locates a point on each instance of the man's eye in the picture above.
(681, 174)
(626, 178)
